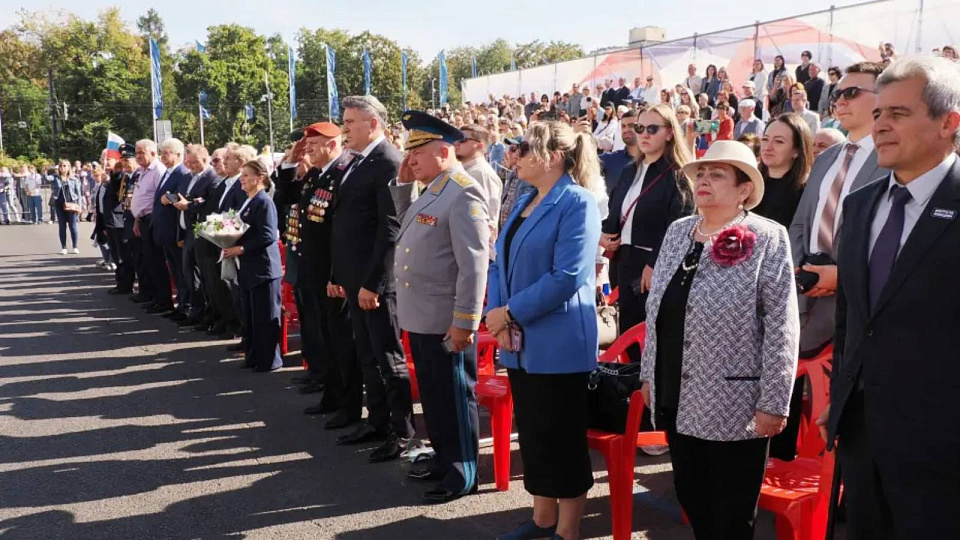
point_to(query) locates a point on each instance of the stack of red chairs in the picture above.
(288, 307)
(798, 491)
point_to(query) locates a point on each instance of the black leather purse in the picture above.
(610, 388)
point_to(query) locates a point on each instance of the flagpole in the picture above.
(153, 98)
(266, 78)
(200, 111)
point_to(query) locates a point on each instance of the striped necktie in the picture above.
(825, 232)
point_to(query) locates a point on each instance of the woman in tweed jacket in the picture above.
(722, 343)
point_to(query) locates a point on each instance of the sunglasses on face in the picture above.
(523, 148)
(652, 129)
(849, 93)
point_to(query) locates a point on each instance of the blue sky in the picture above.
(431, 25)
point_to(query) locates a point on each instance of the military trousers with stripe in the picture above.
(448, 396)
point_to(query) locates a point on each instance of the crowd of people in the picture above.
(515, 213)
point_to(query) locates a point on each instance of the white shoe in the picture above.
(101, 264)
(655, 449)
(111, 266)
(76, 251)
(63, 251)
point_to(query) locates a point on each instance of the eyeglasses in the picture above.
(523, 148)
(216, 160)
(652, 129)
(849, 93)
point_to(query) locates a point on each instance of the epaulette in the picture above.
(462, 179)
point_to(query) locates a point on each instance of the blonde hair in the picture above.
(678, 153)
(579, 150)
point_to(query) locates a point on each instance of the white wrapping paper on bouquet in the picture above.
(223, 230)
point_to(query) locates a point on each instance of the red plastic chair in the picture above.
(493, 392)
(798, 491)
(620, 449)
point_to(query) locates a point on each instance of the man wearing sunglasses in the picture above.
(470, 151)
(615, 162)
(838, 171)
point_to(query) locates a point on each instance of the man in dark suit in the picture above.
(609, 93)
(896, 364)
(113, 217)
(164, 227)
(325, 328)
(621, 95)
(365, 230)
(193, 197)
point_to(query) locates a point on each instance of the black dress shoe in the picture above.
(440, 495)
(140, 299)
(306, 379)
(363, 434)
(425, 474)
(118, 290)
(339, 421)
(389, 450)
(311, 388)
(202, 327)
(175, 316)
(159, 309)
(266, 370)
(227, 336)
(237, 347)
(217, 330)
(191, 320)
(148, 305)
(246, 366)
(321, 408)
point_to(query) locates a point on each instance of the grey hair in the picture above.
(941, 91)
(173, 144)
(369, 105)
(148, 145)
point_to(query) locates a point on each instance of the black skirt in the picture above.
(551, 415)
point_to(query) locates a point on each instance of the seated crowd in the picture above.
(509, 220)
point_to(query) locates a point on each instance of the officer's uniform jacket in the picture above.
(440, 266)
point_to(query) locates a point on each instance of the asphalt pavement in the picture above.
(118, 425)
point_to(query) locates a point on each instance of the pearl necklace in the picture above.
(740, 217)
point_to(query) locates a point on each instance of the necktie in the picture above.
(353, 165)
(825, 233)
(887, 246)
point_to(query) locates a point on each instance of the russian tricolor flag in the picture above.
(113, 145)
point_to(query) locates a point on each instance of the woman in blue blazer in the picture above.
(543, 286)
(260, 270)
(66, 189)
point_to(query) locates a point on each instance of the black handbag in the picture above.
(609, 389)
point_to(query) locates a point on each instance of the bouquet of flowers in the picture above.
(223, 230)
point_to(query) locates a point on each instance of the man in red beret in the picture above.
(325, 327)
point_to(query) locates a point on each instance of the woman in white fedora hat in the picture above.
(722, 343)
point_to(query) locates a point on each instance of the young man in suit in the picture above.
(837, 172)
(193, 195)
(893, 388)
(365, 229)
(325, 326)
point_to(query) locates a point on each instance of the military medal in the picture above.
(293, 228)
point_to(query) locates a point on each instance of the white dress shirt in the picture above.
(363, 155)
(921, 190)
(229, 183)
(193, 182)
(651, 95)
(859, 158)
(635, 189)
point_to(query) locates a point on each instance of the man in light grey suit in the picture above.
(441, 275)
(837, 172)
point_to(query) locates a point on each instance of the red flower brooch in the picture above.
(733, 245)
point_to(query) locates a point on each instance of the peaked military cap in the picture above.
(425, 128)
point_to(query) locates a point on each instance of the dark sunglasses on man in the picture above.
(652, 129)
(849, 93)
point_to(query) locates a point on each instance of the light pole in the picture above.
(268, 97)
(433, 94)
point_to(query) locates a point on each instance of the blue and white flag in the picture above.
(403, 77)
(473, 70)
(513, 63)
(204, 113)
(333, 98)
(156, 80)
(201, 48)
(292, 76)
(366, 72)
(443, 79)
(249, 109)
(203, 97)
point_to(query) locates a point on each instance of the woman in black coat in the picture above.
(260, 270)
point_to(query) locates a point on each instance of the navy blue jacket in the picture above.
(260, 261)
(165, 221)
(202, 189)
(234, 199)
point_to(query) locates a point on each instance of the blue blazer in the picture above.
(165, 220)
(260, 261)
(550, 281)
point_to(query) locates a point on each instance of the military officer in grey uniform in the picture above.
(441, 272)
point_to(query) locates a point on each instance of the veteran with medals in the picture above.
(441, 271)
(326, 329)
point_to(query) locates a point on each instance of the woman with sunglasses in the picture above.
(652, 194)
(786, 155)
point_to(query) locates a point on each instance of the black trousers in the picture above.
(155, 265)
(221, 308)
(383, 363)
(448, 395)
(717, 482)
(633, 311)
(174, 258)
(236, 296)
(190, 274)
(261, 311)
(115, 243)
(328, 346)
(891, 495)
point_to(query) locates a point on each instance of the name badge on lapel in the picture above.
(424, 219)
(944, 213)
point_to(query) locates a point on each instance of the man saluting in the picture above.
(441, 273)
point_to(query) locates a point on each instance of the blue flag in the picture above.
(200, 47)
(473, 70)
(333, 98)
(156, 80)
(403, 77)
(204, 113)
(203, 97)
(366, 72)
(249, 109)
(513, 63)
(443, 79)
(292, 75)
